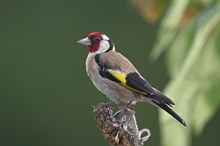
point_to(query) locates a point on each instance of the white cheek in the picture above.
(105, 37)
(104, 45)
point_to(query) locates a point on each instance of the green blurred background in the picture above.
(46, 97)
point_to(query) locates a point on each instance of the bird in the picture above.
(116, 77)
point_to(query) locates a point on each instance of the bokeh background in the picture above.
(46, 97)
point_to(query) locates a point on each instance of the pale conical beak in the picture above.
(86, 41)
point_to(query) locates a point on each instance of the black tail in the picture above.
(171, 112)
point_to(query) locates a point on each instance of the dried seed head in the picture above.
(120, 129)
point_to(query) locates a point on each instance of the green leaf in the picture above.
(218, 44)
(179, 49)
(192, 81)
(208, 77)
(168, 27)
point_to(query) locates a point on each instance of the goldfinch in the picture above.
(116, 77)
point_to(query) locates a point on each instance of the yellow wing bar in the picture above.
(120, 76)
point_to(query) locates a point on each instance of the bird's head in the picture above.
(97, 42)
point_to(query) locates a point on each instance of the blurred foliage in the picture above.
(151, 9)
(190, 35)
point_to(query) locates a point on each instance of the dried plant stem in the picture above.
(120, 128)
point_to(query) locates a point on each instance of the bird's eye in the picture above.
(97, 39)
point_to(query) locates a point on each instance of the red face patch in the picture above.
(95, 38)
(95, 34)
(93, 48)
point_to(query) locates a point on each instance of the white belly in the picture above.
(114, 91)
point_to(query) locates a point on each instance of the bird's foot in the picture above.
(129, 105)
